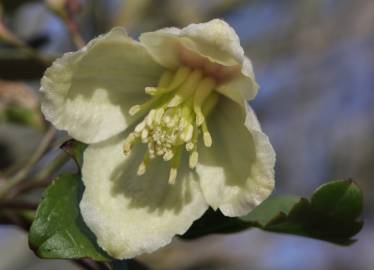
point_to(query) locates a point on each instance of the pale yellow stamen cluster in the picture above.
(176, 116)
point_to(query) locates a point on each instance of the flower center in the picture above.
(176, 117)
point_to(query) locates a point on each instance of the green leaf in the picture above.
(58, 230)
(330, 215)
(214, 222)
(271, 208)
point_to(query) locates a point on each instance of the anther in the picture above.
(199, 115)
(134, 109)
(168, 155)
(143, 166)
(207, 138)
(141, 169)
(203, 91)
(139, 128)
(194, 157)
(149, 118)
(173, 176)
(145, 106)
(187, 133)
(144, 135)
(129, 141)
(190, 146)
(175, 164)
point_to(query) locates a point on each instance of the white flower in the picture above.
(169, 129)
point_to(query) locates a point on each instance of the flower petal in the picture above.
(131, 214)
(244, 85)
(215, 40)
(237, 172)
(88, 92)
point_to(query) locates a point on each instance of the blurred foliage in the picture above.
(19, 104)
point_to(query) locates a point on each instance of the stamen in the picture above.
(143, 107)
(207, 138)
(165, 79)
(139, 128)
(144, 135)
(186, 89)
(159, 113)
(129, 142)
(143, 166)
(134, 109)
(179, 77)
(194, 157)
(203, 91)
(173, 175)
(187, 133)
(175, 120)
(174, 165)
(210, 103)
(168, 155)
(199, 115)
(190, 146)
(150, 117)
(166, 86)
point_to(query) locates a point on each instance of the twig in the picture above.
(66, 11)
(18, 205)
(12, 218)
(10, 38)
(74, 33)
(26, 186)
(42, 178)
(23, 172)
(90, 265)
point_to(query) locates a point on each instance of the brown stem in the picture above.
(90, 265)
(19, 205)
(12, 218)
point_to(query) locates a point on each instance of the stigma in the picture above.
(175, 118)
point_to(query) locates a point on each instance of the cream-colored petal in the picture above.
(237, 172)
(131, 214)
(88, 92)
(215, 40)
(241, 87)
(162, 45)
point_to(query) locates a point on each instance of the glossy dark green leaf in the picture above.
(214, 222)
(339, 199)
(330, 215)
(58, 230)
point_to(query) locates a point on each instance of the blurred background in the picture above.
(314, 61)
